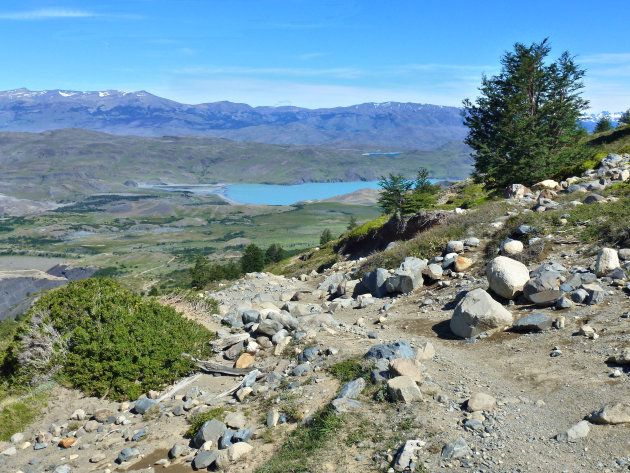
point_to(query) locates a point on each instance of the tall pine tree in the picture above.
(525, 116)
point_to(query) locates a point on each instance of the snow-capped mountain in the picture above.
(589, 120)
(410, 125)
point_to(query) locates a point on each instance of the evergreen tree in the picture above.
(200, 273)
(625, 118)
(325, 237)
(525, 116)
(423, 194)
(604, 124)
(394, 194)
(352, 224)
(253, 259)
(274, 253)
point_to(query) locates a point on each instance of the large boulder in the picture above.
(390, 351)
(407, 277)
(506, 277)
(375, 282)
(211, 431)
(334, 285)
(478, 312)
(613, 414)
(607, 261)
(516, 191)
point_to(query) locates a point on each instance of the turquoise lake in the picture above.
(272, 194)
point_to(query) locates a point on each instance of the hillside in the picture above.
(67, 163)
(406, 125)
(510, 337)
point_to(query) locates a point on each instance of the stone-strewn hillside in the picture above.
(503, 349)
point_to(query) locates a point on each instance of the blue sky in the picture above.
(306, 53)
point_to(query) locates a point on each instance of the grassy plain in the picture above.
(150, 237)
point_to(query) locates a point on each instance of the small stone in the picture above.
(341, 405)
(78, 414)
(142, 405)
(204, 459)
(409, 453)
(462, 264)
(128, 454)
(532, 323)
(455, 449)
(9, 452)
(352, 389)
(273, 416)
(236, 420)
(481, 402)
(607, 261)
(425, 352)
(244, 361)
(17, 438)
(99, 457)
(67, 442)
(408, 367)
(574, 433)
(404, 388)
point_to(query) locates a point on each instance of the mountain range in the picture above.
(406, 125)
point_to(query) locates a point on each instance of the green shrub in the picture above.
(105, 340)
(253, 259)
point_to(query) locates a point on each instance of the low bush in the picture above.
(105, 340)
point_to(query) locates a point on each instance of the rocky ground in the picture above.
(470, 365)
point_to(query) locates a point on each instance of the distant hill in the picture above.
(406, 125)
(69, 163)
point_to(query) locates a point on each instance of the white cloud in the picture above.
(46, 14)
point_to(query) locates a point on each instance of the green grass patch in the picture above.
(348, 370)
(197, 421)
(16, 416)
(299, 452)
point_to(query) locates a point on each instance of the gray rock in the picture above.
(564, 303)
(334, 285)
(138, 435)
(455, 246)
(612, 414)
(309, 354)
(128, 454)
(233, 319)
(251, 316)
(301, 369)
(250, 379)
(211, 431)
(204, 459)
(472, 242)
(287, 320)
(226, 439)
(532, 323)
(178, 450)
(352, 389)
(341, 405)
(546, 298)
(279, 336)
(596, 295)
(408, 452)
(594, 198)
(243, 435)
(143, 405)
(579, 296)
(455, 449)
(375, 282)
(390, 351)
(574, 433)
(524, 230)
(476, 313)
(62, 469)
(545, 280)
(433, 272)
(269, 327)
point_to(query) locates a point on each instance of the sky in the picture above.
(304, 53)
